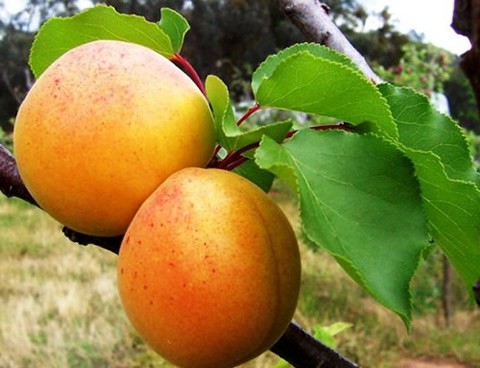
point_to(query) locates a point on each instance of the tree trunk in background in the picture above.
(447, 292)
(466, 21)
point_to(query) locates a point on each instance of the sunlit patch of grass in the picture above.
(25, 229)
(378, 337)
(457, 343)
(59, 305)
(61, 309)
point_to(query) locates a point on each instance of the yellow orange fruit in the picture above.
(102, 127)
(209, 270)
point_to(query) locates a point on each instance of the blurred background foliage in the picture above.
(231, 37)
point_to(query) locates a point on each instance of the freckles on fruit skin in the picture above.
(215, 280)
(102, 127)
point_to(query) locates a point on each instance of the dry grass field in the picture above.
(59, 307)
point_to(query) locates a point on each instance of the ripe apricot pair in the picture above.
(112, 139)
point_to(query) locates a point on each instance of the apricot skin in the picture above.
(102, 127)
(209, 270)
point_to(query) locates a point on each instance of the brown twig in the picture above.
(10, 182)
(109, 243)
(312, 18)
(301, 350)
(11, 185)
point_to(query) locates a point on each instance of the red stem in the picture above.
(235, 158)
(189, 69)
(232, 165)
(249, 113)
(217, 149)
(214, 162)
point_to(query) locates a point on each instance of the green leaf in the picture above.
(448, 180)
(359, 200)
(326, 334)
(250, 170)
(282, 364)
(321, 83)
(58, 35)
(452, 208)
(322, 335)
(266, 69)
(175, 26)
(229, 134)
(422, 128)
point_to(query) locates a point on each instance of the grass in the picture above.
(59, 306)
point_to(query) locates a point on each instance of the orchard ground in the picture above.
(59, 306)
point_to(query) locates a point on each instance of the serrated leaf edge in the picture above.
(227, 108)
(121, 16)
(358, 74)
(447, 117)
(406, 318)
(235, 136)
(281, 54)
(183, 32)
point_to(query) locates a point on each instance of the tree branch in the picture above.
(109, 243)
(303, 351)
(11, 185)
(10, 182)
(311, 17)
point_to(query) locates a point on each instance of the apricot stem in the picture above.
(236, 163)
(249, 113)
(235, 158)
(190, 70)
(214, 161)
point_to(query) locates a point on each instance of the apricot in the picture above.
(209, 270)
(102, 127)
